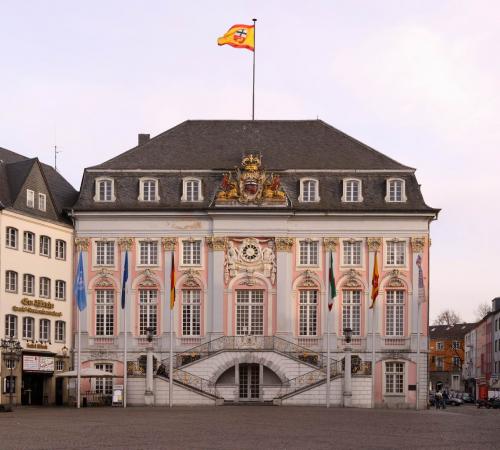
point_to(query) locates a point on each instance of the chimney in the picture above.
(143, 138)
(495, 304)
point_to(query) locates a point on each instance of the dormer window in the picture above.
(352, 190)
(395, 190)
(191, 190)
(148, 190)
(309, 190)
(42, 202)
(104, 190)
(30, 198)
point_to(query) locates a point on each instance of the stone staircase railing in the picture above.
(192, 381)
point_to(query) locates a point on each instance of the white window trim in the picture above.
(320, 253)
(362, 259)
(159, 250)
(96, 187)
(316, 190)
(407, 255)
(30, 193)
(40, 196)
(344, 190)
(403, 190)
(141, 189)
(184, 189)
(7, 235)
(202, 252)
(405, 378)
(94, 253)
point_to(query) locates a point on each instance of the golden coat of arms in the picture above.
(249, 184)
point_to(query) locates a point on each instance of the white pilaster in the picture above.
(216, 286)
(284, 287)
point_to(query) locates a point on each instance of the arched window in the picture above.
(44, 330)
(29, 242)
(351, 311)
(104, 190)
(105, 312)
(44, 287)
(148, 311)
(352, 190)
(308, 312)
(60, 290)
(395, 190)
(28, 328)
(394, 312)
(11, 238)
(28, 284)
(191, 190)
(10, 281)
(309, 190)
(11, 326)
(148, 190)
(191, 312)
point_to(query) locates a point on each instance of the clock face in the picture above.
(250, 252)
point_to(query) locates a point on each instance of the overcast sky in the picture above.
(417, 80)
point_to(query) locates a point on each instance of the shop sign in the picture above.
(36, 306)
(36, 363)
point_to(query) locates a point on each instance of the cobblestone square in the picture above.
(248, 427)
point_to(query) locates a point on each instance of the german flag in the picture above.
(374, 281)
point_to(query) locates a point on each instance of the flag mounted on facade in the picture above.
(239, 36)
(331, 278)
(374, 281)
(79, 289)
(421, 287)
(125, 278)
(172, 283)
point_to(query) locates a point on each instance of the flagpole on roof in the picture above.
(253, 77)
(124, 309)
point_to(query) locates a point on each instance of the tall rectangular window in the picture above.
(105, 253)
(352, 253)
(309, 191)
(60, 290)
(249, 312)
(352, 191)
(29, 242)
(11, 326)
(148, 311)
(60, 249)
(191, 253)
(191, 309)
(42, 202)
(11, 238)
(11, 281)
(308, 253)
(44, 246)
(394, 320)
(394, 377)
(105, 312)
(28, 284)
(44, 287)
(351, 311)
(308, 312)
(28, 328)
(396, 190)
(193, 191)
(104, 190)
(149, 190)
(30, 198)
(60, 331)
(396, 253)
(104, 385)
(44, 330)
(148, 253)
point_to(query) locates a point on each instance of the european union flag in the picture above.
(79, 289)
(125, 278)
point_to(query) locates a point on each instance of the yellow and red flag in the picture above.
(374, 281)
(172, 283)
(239, 36)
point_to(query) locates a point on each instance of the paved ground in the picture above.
(248, 427)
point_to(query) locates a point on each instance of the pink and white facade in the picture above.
(251, 280)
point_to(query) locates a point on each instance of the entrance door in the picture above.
(59, 391)
(32, 389)
(249, 382)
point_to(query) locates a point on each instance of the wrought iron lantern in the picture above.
(347, 335)
(11, 351)
(150, 334)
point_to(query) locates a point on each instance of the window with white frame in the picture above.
(396, 253)
(395, 190)
(394, 319)
(11, 281)
(45, 246)
(28, 284)
(352, 190)
(44, 287)
(28, 328)
(11, 238)
(308, 312)
(148, 190)
(191, 253)
(42, 202)
(60, 332)
(105, 253)
(440, 345)
(308, 253)
(105, 312)
(148, 253)
(249, 312)
(104, 385)
(191, 312)
(309, 191)
(351, 311)
(59, 365)
(148, 311)
(29, 242)
(104, 190)
(394, 377)
(455, 345)
(191, 190)
(11, 326)
(60, 290)
(30, 198)
(60, 249)
(352, 253)
(44, 330)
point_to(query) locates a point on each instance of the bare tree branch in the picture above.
(447, 317)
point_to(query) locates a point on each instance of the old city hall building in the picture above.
(251, 211)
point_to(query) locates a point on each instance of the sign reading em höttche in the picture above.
(35, 306)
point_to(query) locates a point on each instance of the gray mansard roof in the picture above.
(293, 149)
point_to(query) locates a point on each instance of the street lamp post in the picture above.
(347, 368)
(11, 351)
(149, 395)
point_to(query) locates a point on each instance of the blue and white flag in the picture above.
(79, 289)
(125, 278)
